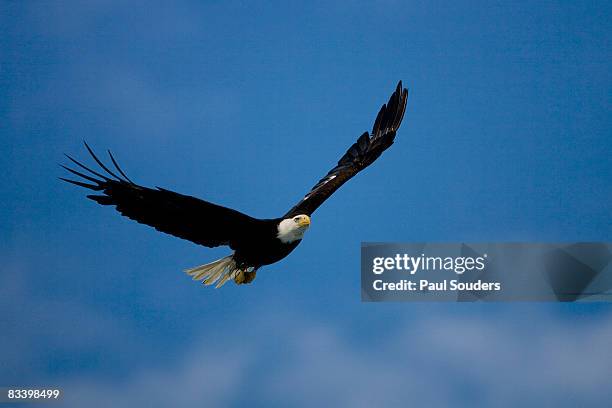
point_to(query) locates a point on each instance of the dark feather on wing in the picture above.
(360, 155)
(183, 216)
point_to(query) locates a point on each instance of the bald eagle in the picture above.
(255, 242)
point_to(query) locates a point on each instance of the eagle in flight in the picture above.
(255, 242)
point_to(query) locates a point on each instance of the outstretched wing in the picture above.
(176, 214)
(360, 155)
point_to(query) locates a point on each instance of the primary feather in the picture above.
(180, 215)
(360, 155)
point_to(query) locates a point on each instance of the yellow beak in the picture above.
(304, 221)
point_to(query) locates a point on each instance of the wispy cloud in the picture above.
(210, 378)
(431, 358)
(433, 361)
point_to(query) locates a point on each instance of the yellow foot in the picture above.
(245, 277)
(249, 276)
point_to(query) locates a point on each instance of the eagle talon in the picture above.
(244, 277)
(249, 276)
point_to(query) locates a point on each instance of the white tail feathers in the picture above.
(219, 271)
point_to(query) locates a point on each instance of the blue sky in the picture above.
(506, 138)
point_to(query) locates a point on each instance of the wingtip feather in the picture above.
(80, 184)
(118, 168)
(100, 162)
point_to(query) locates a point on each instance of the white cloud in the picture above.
(278, 357)
(432, 361)
(209, 378)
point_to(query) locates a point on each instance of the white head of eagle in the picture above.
(293, 229)
(256, 242)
